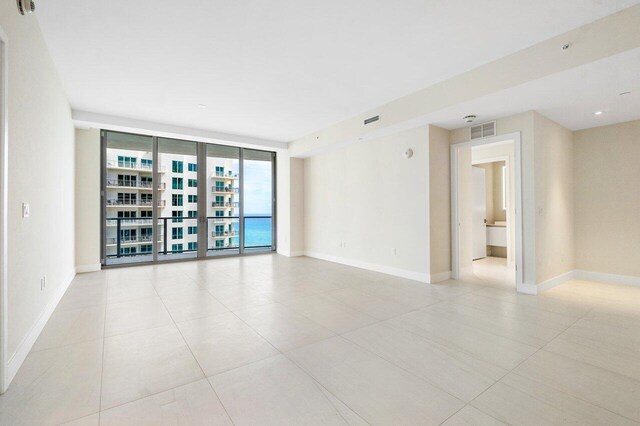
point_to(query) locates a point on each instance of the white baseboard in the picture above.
(95, 267)
(291, 253)
(439, 277)
(580, 274)
(403, 273)
(16, 360)
(556, 281)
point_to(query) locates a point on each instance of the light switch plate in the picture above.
(26, 212)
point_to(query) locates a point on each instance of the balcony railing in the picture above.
(163, 229)
(222, 219)
(223, 175)
(115, 164)
(224, 233)
(129, 221)
(225, 190)
(134, 203)
(233, 204)
(129, 239)
(134, 184)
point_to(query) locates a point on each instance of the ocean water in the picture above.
(257, 231)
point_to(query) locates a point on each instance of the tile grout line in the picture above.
(525, 360)
(573, 359)
(192, 355)
(315, 380)
(290, 360)
(104, 344)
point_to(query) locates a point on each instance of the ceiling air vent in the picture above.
(371, 119)
(483, 130)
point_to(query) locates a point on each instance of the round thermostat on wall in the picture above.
(408, 153)
(26, 6)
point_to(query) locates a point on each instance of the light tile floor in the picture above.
(274, 340)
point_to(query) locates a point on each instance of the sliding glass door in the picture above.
(167, 199)
(223, 200)
(177, 221)
(258, 200)
(127, 194)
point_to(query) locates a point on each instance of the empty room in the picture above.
(400, 212)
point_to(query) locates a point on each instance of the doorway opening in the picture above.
(486, 210)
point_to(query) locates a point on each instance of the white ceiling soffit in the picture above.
(279, 70)
(86, 120)
(569, 98)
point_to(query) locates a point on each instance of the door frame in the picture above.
(4, 191)
(455, 219)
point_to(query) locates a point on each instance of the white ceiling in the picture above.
(281, 69)
(570, 98)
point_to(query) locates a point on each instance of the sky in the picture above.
(257, 187)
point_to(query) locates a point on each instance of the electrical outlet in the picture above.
(26, 210)
(43, 283)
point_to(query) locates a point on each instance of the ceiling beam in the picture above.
(84, 119)
(608, 36)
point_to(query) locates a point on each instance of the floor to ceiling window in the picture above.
(127, 198)
(211, 199)
(223, 199)
(258, 199)
(178, 213)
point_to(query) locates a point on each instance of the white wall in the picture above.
(554, 199)
(439, 204)
(369, 197)
(283, 203)
(296, 200)
(41, 172)
(607, 199)
(87, 199)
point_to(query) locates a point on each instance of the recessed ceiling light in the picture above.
(597, 113)
(202, 106)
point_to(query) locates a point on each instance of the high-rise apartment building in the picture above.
(129, 204)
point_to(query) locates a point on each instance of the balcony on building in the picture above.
(226, 176)
(225, 205)
(127, 240)
(120, 183)
(123, 165)
(226, 190)
(133, 203)
(224, 234)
